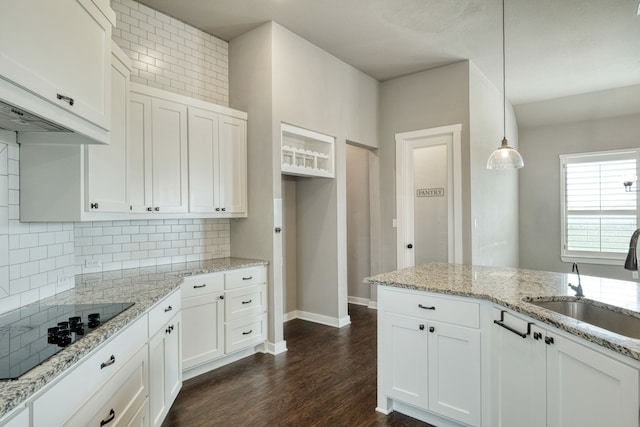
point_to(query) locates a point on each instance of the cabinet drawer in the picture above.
(245, 301)
(427, 306)
(202, 284)
(117, 403)
(163, 311)
(245, 277)
(61, 400)
(242, 333)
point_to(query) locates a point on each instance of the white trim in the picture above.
(290, 316)
(217, 363)
(404, 179)
(592, 260)
(358, 301)
(373, 305)
(275, 348)
(323, 320)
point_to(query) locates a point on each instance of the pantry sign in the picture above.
(430, 192)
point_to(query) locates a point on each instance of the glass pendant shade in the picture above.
(505, 157)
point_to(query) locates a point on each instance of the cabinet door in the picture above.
(203, 329)
(404, 351)
(519, 385)
(106, 165)
(233, 165)
(169, 157)
(165, 373)
(59, 49)
(203, 161)
(586, 388)
(139, 153)
(454, 372)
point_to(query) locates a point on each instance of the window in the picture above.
(598, 215)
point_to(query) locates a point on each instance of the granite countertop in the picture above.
(511, 287)
(143, 286)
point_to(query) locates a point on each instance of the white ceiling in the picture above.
(554, 48)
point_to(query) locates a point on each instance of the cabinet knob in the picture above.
(149, 209)
(410, 246)
(537, 336)
(432, 329)
(217, 209)
(94, 205)
(421, 327)
(224, 209)
(548, 340)
(221, 297)
(157, 209)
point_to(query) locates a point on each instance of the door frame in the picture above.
(405, 143)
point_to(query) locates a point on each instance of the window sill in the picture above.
(592, 260)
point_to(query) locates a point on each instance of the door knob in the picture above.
(410, 246)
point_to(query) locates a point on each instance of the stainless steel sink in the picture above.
(602, 317)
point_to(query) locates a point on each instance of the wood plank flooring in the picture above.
(326, 378)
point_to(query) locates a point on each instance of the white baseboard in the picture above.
(363, 301)
(209, 366)
(319, 318)
(276, 348)
(373, 305)
(290, 315)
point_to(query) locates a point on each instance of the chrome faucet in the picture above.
(577, 289)
(631, 263)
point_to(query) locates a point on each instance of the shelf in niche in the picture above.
(306, 153)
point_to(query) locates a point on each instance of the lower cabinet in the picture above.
(543, 378)
(165, 370)
(223, 314)
(426, 360)
(130, 380)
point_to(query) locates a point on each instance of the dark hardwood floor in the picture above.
(326, 378)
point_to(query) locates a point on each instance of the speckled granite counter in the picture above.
(143, 286)
(511, 288)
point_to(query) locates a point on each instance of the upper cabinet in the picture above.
(69, 182)
(55, 60)
(158, 153)
(306, 153)
(217, 163)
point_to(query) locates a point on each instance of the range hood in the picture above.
(18, 120)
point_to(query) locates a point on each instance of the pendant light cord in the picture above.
(504, 78)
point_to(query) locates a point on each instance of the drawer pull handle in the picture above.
(109, 362)
(199, 286)
(510, 329)
(425, 307)
(248, 333)
(168, 309)
(247, 278)
(67, 99)
(112, 415)
(247, 302)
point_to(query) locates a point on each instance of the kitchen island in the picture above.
(464, 345)
(145, 287)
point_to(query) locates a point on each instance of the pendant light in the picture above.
(504, 157)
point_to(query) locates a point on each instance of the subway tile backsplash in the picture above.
(114, 245)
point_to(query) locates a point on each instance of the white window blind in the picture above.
(599, 216)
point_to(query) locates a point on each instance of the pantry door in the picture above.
(428, 196)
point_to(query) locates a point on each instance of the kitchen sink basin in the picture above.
(600, 316)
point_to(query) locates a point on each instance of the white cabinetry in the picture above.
(165, 373)
(306, 153)
(217, 163)
(202, 319)
(118, 380)
(16, 418)
(55, 59)
(224, 317)
(63, 182)
(429, 354)
(158, 154)
(543, 378)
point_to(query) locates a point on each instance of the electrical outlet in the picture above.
(92, 263)
(634, 274)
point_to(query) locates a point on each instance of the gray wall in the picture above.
(540, 185)
(428, 99)
(358, 222)
(494, 194)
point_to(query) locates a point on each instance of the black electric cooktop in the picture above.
(32, 334)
